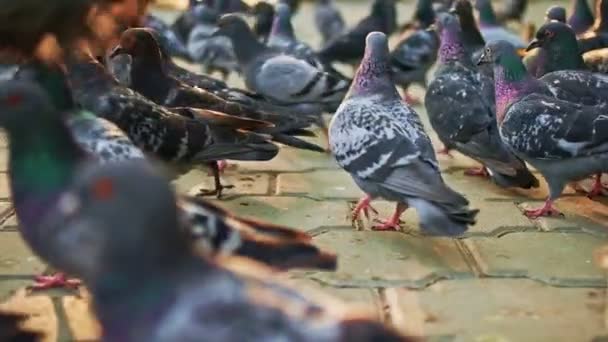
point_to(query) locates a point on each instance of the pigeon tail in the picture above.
(446, 219)
(522, 179)
(359, 330)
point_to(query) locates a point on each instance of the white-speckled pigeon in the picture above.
(460, 106)
(564, 140)
(147, 285)
(381, 142)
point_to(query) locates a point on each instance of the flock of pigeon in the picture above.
(92, 202)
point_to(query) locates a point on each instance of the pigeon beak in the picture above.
(535, 43)
(118, 50)
(484, 59)
(432, 28)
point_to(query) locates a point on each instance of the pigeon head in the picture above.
(385, 10)
(487, 16)
(138, 43)
(424, 13)
(232, 26)
(499, 52)
(450, 35)
(373, 75)
(52, 79)
(120, 218)
(554, 36)
(471, 35)
(462, 8)
(19, 100)
(557, 13)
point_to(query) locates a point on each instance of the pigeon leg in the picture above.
(218, 183)
(393, 222)
(598, 187)
(446, 151)
(364, 205)
(222, 165)
(477, 171)
(57, 280)
(410, 99)
(546, 210)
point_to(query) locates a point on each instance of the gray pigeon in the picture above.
(281, 78)
(564, 140)
(460, 105)
(381, 142)
(328, 20)
(148, 286)
(491, 29)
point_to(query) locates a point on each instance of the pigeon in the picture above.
(512, 10)
(167, 38)
(172, 137)
(416, 51)
(573, 141)
(213, 53)
(170, 294)
(380, 141)
(186, 21)
(471, 36)
(328, 20)
(490, 28)
(581, 17)
(12, 331)
(349, 47)
(596, 37)
(213, 231)
(227, 6)
(557, 13)
(264, 16)
(555, 47)
(460, 106)
(280, 78)
(150, 79)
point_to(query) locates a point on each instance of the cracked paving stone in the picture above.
(500, 310)
(580, 212)
(389, 258)
(244, 184)
(301, 213)
(558, 259)
(291, 160)
(494, 218)
(18, 264)
(335, 184)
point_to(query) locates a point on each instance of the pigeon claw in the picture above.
(57, 280)
(546, 210)
(411, 99)
(364, 205)
(217, 192)
(598, 188)
(477, 172)
(388, 225)
(445, 151)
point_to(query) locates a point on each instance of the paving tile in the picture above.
(302, 213)
(41, 312)
(249, 184)
(494, 218)
(329, 184)
(580, 214)
(3, 158)
(81, 321)
(18, 264)
(554, 258)
(291, 160)
(10, 222)
(389, 258)
(5, 192)
(500, 310)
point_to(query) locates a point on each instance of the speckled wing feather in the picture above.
(542, 127)
(578, 86)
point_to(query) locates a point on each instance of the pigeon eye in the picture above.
(14, 100)
(103, 189)
(549, 34)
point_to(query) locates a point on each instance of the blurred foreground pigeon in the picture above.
(11, 329)
(491, 29)
(596, 37)
(328, 20)
(165, 292)
(264, 16)
(349, 47)
(581, 16)
(563, 140)
(380, 141)
(460, 106)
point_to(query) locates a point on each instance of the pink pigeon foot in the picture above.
(392, 224)
(411, 99)
(446, 151)
(57, 280)
(546, 210)
(598, 188)
(477, 172)
(364, 205)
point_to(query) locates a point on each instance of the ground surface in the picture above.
(507, 279)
